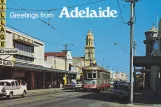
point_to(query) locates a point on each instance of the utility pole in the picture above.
(134, 47)
(66, 50)
(131, 23)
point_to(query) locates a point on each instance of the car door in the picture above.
(13, 87)
(18, 90)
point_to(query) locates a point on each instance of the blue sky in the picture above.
(106, 31)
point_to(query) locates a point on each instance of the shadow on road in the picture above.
(103, 96)
(5, 98)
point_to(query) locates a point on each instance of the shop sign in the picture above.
(2, 23)
(19, 74)
(6, 63)
(8, 51)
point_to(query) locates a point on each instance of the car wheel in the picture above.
(10, 96)
(24, 94)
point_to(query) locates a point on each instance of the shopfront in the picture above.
(36, 77)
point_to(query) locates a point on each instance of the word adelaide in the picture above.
(87, 13)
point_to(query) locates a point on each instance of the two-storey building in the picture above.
(28, 64)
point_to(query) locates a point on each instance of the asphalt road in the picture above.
(62, 99)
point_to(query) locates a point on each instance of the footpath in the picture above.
(42, 91)
(146, 99)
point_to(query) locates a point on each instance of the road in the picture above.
(61, 99)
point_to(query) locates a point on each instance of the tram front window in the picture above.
(89, 76)
(94, 75)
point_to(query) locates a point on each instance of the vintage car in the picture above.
(120, 90)
(10, 88)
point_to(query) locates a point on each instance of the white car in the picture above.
(10, 88)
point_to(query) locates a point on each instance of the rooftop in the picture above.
(57, 54)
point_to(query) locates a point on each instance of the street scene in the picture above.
(91, 53)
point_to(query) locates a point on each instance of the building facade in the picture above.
(78, 64)
(61, 61)
(119, 76)
(30, 50)
(57, 59)
(152, 47)
(28, 64)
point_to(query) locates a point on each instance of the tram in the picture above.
(95, 78)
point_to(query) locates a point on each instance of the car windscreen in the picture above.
(121, 87)
(5, 84)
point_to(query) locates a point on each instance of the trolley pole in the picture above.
(131, 23)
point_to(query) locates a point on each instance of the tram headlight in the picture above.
(93, 82)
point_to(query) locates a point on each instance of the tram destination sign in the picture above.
(8, 51)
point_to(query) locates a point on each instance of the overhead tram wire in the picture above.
(32, 36)
(39, 19)
(48, 10)
(121, 13)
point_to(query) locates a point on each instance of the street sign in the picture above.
(8, 51)
(6, 63)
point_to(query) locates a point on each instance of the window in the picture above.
(94, 75)
(17, 83)
(108, 76)
(32, 49)
(98, 75)
(102, 75)
(105, 76)
(5, 84)
(89, 75)
(13, 83)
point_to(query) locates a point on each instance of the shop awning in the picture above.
(40, 68)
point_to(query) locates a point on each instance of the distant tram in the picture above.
(95, 78)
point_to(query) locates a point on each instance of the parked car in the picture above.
(121, 90)
(78, 85)
(10, 88)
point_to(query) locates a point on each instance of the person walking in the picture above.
(61, 86)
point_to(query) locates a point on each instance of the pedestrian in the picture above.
(20, 82)
(61, 86)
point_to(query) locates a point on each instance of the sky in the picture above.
(106, 31)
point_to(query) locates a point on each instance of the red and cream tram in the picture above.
(95, 78)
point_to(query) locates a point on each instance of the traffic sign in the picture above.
(8, 51)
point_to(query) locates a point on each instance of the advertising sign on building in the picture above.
(2, 23)
(6, 63)
(8, 51)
